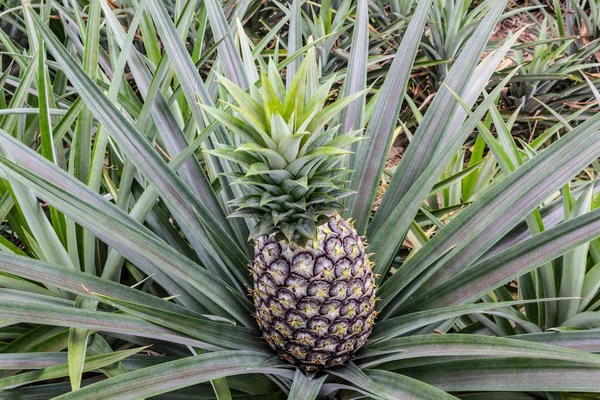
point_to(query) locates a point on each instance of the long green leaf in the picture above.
(81, 283)
(353, 116)
(184, 205)
(194, 89)
(123, 233)
(217, 334)
(575, 261)
(294, 42)
(230, 59)
(468, 346)
(174, 138)
(224, 335)
(588, 340)
(173, 375)
(304, 388)
(430, 136)
(58, 371)
(36, 313)
(387, 387)
(475, 229)
(31, 360)
(370, 158)
(490, 273)
(83, 129)
(351, 373)
(397, 326)
(511, 374)
(399, 221)
(411, 388)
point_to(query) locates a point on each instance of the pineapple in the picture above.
(314, 303)
(313, 284)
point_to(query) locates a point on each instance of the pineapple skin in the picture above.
(315, 303)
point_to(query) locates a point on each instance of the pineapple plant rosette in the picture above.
(314, 289)
(140, 153)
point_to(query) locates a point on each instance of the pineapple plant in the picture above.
(146, 169)
(314, 289)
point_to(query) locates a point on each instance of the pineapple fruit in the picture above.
(313, 290)
(314, 303)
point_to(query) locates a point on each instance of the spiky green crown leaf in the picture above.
(290, 159)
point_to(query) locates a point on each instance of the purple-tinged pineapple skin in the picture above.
(315, 304)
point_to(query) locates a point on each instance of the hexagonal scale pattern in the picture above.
(315, 304)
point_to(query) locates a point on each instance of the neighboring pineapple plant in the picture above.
(313, 290)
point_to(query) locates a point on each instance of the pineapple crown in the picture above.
(289, 159)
